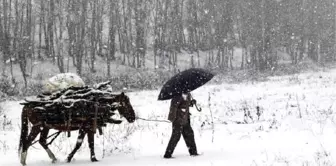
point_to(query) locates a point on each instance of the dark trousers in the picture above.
(188, 135)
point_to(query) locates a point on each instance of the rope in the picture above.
(52, 140)
(166, 121)
(153, 120)
(57, 133)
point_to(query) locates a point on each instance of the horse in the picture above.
(121, 102)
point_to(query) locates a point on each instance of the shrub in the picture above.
(8, 87)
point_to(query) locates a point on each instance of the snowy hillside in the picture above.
(296, 126)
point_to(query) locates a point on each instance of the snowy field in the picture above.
(295, 125)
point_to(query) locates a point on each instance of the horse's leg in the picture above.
(32, 135)
(91, 146)
(43, 143)
(80, 138)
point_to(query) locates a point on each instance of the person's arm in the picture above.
(173, 109)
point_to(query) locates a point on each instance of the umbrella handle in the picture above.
(198, 109)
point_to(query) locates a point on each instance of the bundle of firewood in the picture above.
(75, 105)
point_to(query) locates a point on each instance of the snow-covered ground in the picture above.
(297, 126)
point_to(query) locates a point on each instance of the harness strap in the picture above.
(69, 124)
(100, 130)
(37, 124)
(95, 118)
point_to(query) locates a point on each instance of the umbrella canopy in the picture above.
(184, 82)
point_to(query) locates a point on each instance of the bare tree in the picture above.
(111, 37)
(140, 42)
(5, 40)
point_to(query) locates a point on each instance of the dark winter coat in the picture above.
(179, 109)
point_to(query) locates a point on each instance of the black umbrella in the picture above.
(185, 82)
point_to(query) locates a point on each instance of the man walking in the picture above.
(180, 117)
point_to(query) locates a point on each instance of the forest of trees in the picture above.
(55, 29)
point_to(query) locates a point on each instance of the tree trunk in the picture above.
(111, 38)
(59, 41)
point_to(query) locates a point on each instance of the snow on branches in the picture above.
(76, 104)
(72, 94)
(62, 81)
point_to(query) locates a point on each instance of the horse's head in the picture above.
(124, 107)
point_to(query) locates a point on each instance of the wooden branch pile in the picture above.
(75, 106)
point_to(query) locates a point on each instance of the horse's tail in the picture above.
(24, 128)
